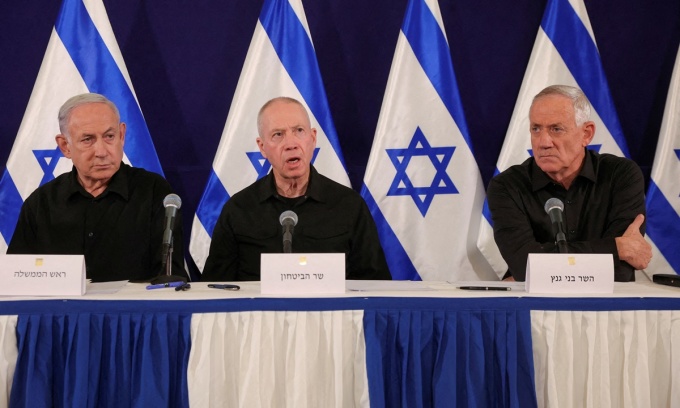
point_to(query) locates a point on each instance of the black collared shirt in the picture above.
(600, 204)
(120, 232)
(331, 218)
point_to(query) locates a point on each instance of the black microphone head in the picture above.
(553, 203)
(172, 200)
(289, 217)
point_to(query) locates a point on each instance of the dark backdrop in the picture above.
(185, 57)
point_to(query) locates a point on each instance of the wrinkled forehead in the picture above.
(285, 114)
(551, 107)
(91, 117)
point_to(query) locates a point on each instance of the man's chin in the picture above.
(548, 164)
(103, 173)
(296, 170)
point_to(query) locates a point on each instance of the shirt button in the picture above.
(568, 201)
(90, 234)
(572, 232)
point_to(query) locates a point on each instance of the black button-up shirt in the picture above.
(332, 218)
(120, 232)
(600, 204)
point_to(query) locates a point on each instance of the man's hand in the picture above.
(632, 246)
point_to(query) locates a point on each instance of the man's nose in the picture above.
(100, 147)
(290, 142)
(544, 139)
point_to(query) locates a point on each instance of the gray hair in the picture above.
(578, 98)
(285, 99)
(79, 100)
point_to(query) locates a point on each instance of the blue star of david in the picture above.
(262, 165)
(441, 183)
(48, 166)
(595, 148)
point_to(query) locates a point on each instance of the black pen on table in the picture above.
(501, 288)
(224, 286)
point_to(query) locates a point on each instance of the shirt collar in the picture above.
(267, 189)
(539, 179)
(118, 184)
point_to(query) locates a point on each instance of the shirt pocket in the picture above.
(327, 237)
(257, 235)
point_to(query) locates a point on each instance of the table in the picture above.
(430, 345)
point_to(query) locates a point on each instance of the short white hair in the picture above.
(285, 99)
(579, 100)
(79, 100)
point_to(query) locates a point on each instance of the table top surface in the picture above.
(641, 294)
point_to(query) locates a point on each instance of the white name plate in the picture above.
(570, 273)
(42, 275)
(302, 274)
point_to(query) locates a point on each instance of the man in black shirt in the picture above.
(106, 210)
(331, 217)
(603, 195)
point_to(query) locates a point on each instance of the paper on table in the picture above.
(384, 286)
(94, 288)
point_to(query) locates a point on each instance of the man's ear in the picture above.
(260, 145)
(314, 135)
(62, 142)
(588, 133)
(122, 127)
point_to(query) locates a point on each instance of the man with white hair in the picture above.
(333, 218)
(603, 195)
(109, 212)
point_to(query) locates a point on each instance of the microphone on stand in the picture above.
(288, 220)
(554, 207)
(172, 203)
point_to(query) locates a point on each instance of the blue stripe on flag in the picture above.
(398, 261)
(432, 51)
(663, 225)
(10, 206)
(486, 212)
(102, 75)
(295, 49)
(572, 40)
(210, 207)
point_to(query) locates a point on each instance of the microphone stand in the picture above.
(168, 276)
(562, 243)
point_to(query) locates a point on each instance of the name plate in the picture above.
(42, 275)
(302, 274)
(570, 273)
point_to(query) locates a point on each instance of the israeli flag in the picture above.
(422, 182)
(281, 61)
(82, 56)
(663, 196)
(564, 53)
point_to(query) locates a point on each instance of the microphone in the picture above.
(554, 207)
(172, 203)
(288, 220)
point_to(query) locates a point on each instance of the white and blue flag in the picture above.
(663, 196)
(422, 182)
(82, 56)
(564, 53)
(281, 61)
